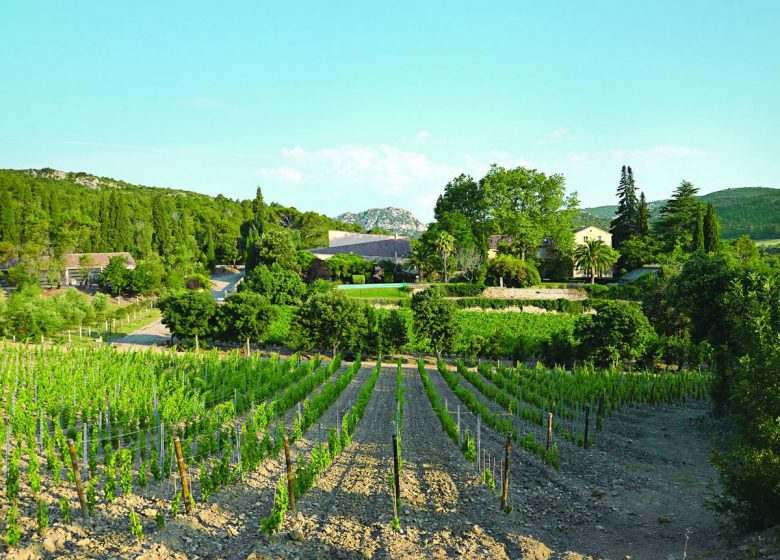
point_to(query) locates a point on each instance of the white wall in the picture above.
(342, 238)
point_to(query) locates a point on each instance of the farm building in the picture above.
(367, 245)
(84, 268)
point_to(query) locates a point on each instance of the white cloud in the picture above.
(555, 136)
(659, 150)
(283, 174)
(422, 137)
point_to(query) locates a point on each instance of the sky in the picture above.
(342, 106)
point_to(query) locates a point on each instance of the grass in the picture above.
(377, 293)
(124, 328)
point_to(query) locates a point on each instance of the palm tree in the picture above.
(596, 257)
(445, 243)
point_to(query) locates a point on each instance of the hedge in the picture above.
(463, 289)
(561, 305)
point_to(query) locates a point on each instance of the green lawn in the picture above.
(378, 293)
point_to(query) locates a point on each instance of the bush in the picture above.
(358, 279)
(463, 290)
(280, 285)
(100, 302)
(618, 331)
(561, 305)
(197, 282)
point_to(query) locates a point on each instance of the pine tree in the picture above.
(258, 209)
(711, 229)
(679, 217)
(644, 216)
(626, 222)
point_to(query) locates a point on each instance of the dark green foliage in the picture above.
(116, 277)
(344, 266)
(273, 247)
(679, 218)
(515, 272)
(711, 227)
(463, 290)
(618, 332)
(749, 465)
(643, 227)
(561, 305)
(394, 329)
(329, 321)
(434, 319)
(246, 316)
(280, 285)
(189, 315)
(627, 219)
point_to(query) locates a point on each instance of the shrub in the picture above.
(619, 331)
(463, 290)
(515, 272)
(358, 279)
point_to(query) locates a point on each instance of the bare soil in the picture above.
(638, 491)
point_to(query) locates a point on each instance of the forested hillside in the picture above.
(51, 212)
(754, 211)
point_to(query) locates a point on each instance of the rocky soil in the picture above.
(638, 492)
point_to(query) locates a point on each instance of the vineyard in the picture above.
(111, 453)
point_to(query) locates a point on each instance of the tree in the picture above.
(617, 332)
(189, 315)
(711, 229)
(469, 262)
(749, 466)
(679, 217)
(115, 277)
(9, 229)
(246, 316)
(698, 233)
(394, 331)
(146, 278)
(329, 321)
(434, 319)
(746, 248)
(512, 272)
(595, 257)
(643, 227)
(626, 222)
(273, 247)
(279, 285)
(639, 250)
(528, 206)
(445, 244)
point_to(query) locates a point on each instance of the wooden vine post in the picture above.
(505, 481)
(290, 476)
(185, 487)
(74, 463)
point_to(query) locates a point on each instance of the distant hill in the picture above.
(393, 220)
(746, 210)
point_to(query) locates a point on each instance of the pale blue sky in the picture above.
(336, 106)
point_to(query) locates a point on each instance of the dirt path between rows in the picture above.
(638, 492)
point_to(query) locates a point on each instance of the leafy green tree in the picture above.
(711, 229)
(189, 315)
(246, 316)
(116, 277)
(745, 248)
(626, 222)
(639, 250)
(512, 272)
(528, 206)
(276, 247)
(279, 285)
(343, 266)
(749, 465)
(329, 321)
(395, 331)
(617, 332)
(595, 257)
(434, 319)
(146, 278)
(445, 244)
(9, 228)
(679, 217)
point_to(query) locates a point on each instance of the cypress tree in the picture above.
(644, 216)
(123, 228)
(626, 222)
(698, 232)
(711, 229)
(258, 210)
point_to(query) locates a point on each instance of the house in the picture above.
(370, 246)
(84, 268)
(582, 235)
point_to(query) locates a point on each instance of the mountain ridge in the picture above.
(390, 218)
